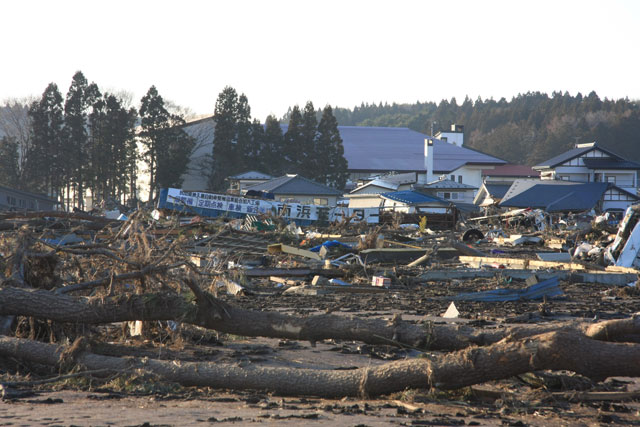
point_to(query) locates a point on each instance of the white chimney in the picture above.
(428, 159)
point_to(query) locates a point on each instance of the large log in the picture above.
(560, 350)
(215, 314)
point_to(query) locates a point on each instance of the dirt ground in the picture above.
(546, 400)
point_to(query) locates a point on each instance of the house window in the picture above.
(459, 179)
(564, 178)
(11, 201)
(611, 179)
(449, 195)
(320, 201)
(453, 178)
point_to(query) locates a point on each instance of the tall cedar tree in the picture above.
(310, 165)
(293, 142)
(273, 155)
(330, 152)
(255, 159)
(225, 142)
(44, 160)
(237, 145)
(243, 135)
(113, 150)
(76, 166)
(167, 145)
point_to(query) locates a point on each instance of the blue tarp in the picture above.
(330, 244)
(548, 288)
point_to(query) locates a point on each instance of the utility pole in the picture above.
(432, 123)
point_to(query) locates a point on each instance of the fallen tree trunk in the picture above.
(215, 314)
(560, 350)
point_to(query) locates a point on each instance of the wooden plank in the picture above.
(280, 248)
(292, 272)
(520, 263)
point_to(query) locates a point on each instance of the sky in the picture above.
(341, 53)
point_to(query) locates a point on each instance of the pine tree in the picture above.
(273, 147)
(310, 165)
(330, 152)
(173, 159)
(76, 167)
(293, 142)
(45, 163)
(243, 134)
(254, 156)
(225, 150)
(113, 149)
(167, 146)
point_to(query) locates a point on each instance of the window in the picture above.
(459, 179)
(449, 195)
(11, 201)
(320, 201)
(453, 178)
(564, 178)
(611, 179)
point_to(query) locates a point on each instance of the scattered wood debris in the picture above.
(71, 283)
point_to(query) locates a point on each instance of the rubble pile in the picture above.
(167, 295)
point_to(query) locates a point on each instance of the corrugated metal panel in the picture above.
(548, 288)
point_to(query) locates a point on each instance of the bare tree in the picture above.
(15, 123)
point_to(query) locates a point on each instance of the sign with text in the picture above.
(246, 206)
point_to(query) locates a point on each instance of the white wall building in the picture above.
(591, 163)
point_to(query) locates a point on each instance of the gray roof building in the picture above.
(372, 150)
(295, 185)
(12, 199)
(614, 161)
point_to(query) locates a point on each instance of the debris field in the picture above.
(166, 319)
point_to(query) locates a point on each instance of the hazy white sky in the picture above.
(282, 53)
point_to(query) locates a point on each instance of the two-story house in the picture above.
(593, 163)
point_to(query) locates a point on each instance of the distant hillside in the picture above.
(528, 129)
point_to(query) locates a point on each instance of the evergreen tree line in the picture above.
(87, 142)
(528, 129)
(309, 147)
